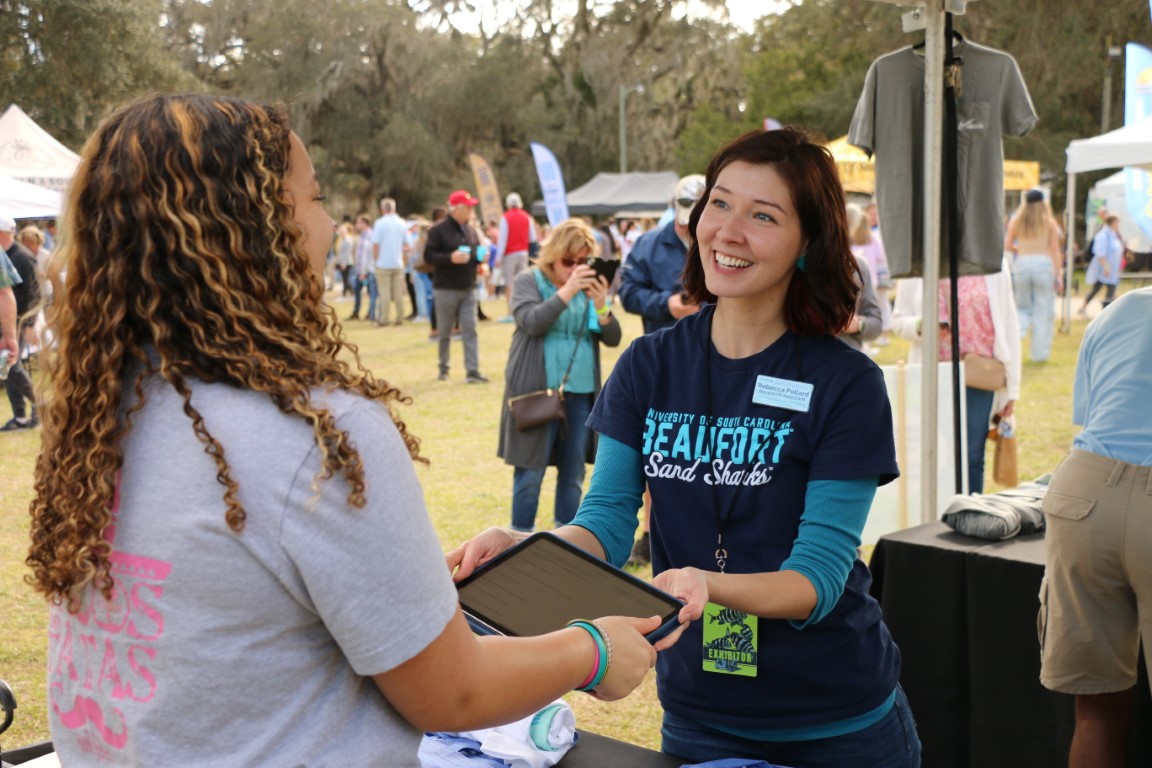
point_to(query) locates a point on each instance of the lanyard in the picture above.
(724, 516)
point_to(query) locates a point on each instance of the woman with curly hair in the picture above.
(226, 519)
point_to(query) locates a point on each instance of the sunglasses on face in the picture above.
(569, 262)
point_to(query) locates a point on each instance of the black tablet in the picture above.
(544, 582)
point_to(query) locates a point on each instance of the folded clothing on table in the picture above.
(1002, 515)
(537, 741)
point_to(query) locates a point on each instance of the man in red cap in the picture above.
(452, 249)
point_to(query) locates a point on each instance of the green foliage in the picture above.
(67, 63)
(707, 130)
(394, 95)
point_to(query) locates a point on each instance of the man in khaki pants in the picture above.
(1096, 599)
(389, 248)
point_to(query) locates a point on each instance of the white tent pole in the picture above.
(1069, 247)
(933, 155)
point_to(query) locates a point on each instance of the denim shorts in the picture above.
(1096, 597)
(891, 742)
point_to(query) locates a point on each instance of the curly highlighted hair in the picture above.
(181, 258)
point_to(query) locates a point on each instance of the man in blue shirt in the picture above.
(650, 284)
(1096, 602)
(389, 247)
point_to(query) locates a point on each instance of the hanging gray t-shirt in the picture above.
(252, 648)
(889, 123)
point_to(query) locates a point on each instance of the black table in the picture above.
(592, 751)
(963, 611)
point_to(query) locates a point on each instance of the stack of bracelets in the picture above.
(603, 652)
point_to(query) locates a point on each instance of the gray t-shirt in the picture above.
(225, 649)
(889, 122)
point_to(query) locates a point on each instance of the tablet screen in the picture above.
(542, 583)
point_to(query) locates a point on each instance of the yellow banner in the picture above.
(491, 208)
(1021, 175)
(858, 171)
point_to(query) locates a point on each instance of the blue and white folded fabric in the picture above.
(538, 741)
(447, 750)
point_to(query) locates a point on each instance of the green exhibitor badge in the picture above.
(730, 641)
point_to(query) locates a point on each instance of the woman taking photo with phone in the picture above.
(226, 518)
(562, 316)
(762, 439)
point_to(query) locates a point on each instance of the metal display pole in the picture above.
(933, 156)
(929, 346)
(1069, 254)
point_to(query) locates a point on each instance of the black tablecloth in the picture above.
(963, 612)
(592, 751)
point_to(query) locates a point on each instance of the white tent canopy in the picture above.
(1127, 147)
(1130, 146)
(22, 200)
(29, 153)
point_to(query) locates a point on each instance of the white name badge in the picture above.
(782, 393)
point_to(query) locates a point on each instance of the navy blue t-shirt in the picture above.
(657, 401)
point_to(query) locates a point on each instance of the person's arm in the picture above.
(639, 292)
(1055, 254)
(407, 633)
(533, 314)
(462, 682)
(502, 239)
(810, 581)
(437, 252)
(1007, 322)
(607, 325)
(1010, 237)
(868, 320)
(906, 311)
(8, 326)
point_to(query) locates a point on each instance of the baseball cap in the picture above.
(688, 191)
(513, 201)
(7, 223)
(1034, 196)
(461, 197)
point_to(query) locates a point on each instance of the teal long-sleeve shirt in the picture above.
(825, 548)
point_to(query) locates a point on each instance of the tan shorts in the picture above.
(1096, 598)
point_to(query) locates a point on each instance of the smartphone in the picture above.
(605, 268)
(544, 582)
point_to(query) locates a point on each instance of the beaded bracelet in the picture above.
(603, 652)
(607, 643)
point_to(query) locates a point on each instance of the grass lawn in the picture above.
(466, 487)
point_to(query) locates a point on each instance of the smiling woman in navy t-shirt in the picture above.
(762, 439)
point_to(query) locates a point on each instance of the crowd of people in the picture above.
(198, 332)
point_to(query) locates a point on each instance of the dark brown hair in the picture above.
(822, 297)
